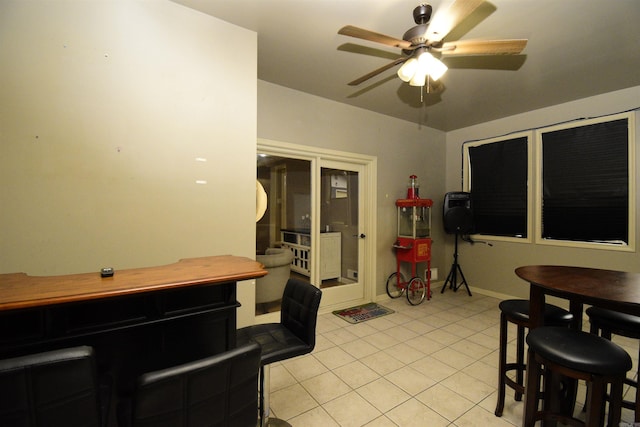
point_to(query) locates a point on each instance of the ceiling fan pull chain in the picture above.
(422, 89)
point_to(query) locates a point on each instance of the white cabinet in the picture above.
(330, 253)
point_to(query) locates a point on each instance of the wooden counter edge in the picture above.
(16, 288)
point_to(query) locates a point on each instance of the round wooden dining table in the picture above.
(614, 290)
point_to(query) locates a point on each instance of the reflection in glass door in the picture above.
(340, 238)
(283, 234)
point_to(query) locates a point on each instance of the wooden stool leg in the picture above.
(596, 390)
(502, 365)
(552, 398)
(520, 361)
(531, 390)
(637, 385)
(615, 403)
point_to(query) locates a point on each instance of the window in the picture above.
(585, 181)
(498, 170)
(584, 184)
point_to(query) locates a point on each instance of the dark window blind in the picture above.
(585, 183)
(499, 187)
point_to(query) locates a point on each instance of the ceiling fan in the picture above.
(422, 46)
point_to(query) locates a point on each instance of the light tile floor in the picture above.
(432, 365)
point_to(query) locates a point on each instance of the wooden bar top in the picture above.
(19, 290)
(590, 285)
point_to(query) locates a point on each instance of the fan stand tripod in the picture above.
(452, 278)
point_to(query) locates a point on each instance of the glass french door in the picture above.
(340, 242)
(314, 209)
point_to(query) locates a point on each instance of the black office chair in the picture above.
(218, 391)
(295, 335)
(55, 388)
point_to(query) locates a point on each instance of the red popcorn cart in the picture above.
(413, 246)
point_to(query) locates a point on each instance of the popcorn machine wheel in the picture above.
(413, 245)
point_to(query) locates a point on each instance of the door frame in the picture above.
(368, 185)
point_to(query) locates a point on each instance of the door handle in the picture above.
(361, 235)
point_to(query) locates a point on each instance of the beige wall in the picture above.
(105, 105)
(402, 148)
(491, 268)
(104, 108)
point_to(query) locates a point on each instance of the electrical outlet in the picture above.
(434, 274)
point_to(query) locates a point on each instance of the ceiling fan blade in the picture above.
(483, 47)
(375, 72)
(361, 33)
(445, 21)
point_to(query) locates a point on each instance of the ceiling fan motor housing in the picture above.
(422, 13)
(417, 35)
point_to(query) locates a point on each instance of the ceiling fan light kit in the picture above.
(419, 65)
(415, 70)
(418, 79)
(435, 68)
(408, 69)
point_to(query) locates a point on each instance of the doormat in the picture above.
(362, 313)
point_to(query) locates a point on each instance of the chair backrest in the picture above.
(55, 388)
(299, 311)
(216, 391)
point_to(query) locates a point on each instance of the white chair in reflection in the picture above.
(277, 262)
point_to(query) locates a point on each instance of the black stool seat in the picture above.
(517, 311)
(276, 341)
(576, 355)
(608, 322)
(618, 323)
(579, 350)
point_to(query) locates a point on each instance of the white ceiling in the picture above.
(576, 49)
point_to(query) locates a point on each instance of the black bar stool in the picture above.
(578, 355)
(609, 322)
(517, 311)
(293, 336)
(53, 388)
(219, 390)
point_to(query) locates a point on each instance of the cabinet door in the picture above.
(330, 255)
